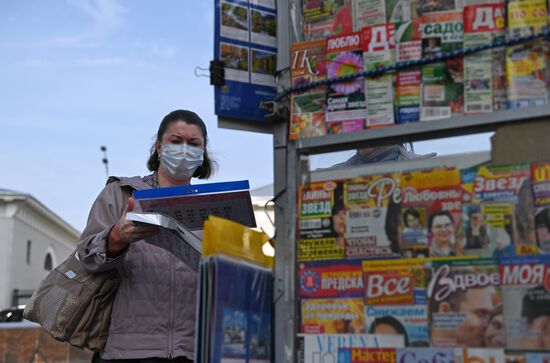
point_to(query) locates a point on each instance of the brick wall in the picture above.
(28, 343)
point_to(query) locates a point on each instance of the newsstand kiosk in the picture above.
(449, 253)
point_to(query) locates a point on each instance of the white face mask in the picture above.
(181, 160)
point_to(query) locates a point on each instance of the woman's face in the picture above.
(339, 222)
(494, 335)
(180, 132)
(384, 329)
(443, 229)
(412, 221)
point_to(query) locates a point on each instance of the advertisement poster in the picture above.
(245, 41)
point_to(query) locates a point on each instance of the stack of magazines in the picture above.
(234, 314)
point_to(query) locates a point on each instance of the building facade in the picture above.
(33, 240)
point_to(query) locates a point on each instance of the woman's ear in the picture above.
(158, 146)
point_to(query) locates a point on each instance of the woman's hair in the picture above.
(392, 225)
(207, 168)
(412, 212)
(438, 214)
(394, 323)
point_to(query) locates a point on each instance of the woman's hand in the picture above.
(125, 232)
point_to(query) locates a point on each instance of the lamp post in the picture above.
(105, 160)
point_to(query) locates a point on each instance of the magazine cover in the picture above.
(526, 291)
(324, 18)
(526, 63)
(477, 355)
(498, 211)
(307, 109)
(514, 358)
(332, 316)
(465, 303)
(366, 355)
(395, 297)
(442, 83)
(241, 323)
(407, 84)
(420, 355)
(370, 219)
(368, 13)
(537, 358)
(398, 11)
(484, 72)
(191, 205)
(321, 221)
(379, 51)
(487, 229)
(345, 102)
(540, 178)
(328, 279)
(431, 213)
(324, 347)
(422, 7)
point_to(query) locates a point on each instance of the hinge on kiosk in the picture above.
(276, 111)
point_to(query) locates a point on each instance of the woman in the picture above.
(389, 325)
(443, 238)
(153, 316)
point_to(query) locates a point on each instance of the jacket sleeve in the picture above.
(105, 213)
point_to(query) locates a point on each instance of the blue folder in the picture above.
(192, 189)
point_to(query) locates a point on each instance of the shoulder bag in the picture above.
(73, 305)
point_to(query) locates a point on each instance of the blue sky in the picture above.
(78, 74)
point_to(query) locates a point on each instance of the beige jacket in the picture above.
(154, 309)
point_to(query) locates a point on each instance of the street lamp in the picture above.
(105, 160)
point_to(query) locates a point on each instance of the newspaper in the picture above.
(526, 65)
(378, 51)
(368, 13)
(442, 82)
(407, 83)
(173, 237)
(325, 18)
(484, 72)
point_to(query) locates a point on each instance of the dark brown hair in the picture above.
(207, 168)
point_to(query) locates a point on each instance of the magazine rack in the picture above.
(290, 165)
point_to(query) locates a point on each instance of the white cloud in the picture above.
(105, 13)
